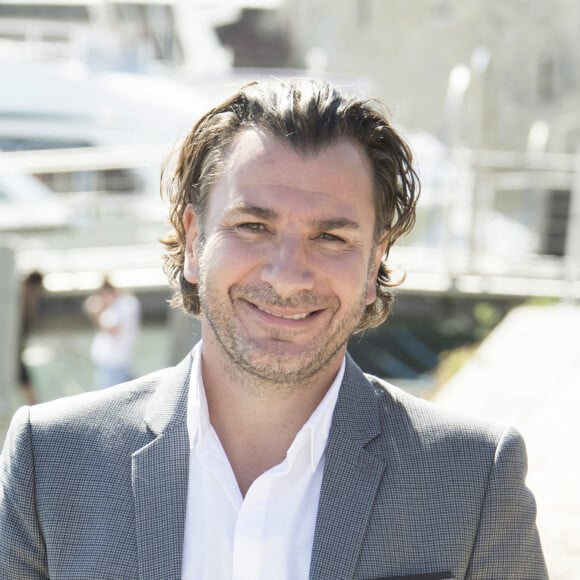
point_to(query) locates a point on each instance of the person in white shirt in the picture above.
(267, 453)
(117, 317)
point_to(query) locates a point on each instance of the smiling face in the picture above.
(286, 262)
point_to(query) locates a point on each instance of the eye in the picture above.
(251, 227)
(326, 237)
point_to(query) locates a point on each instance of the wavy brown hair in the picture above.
(308, 115)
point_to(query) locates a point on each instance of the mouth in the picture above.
(285, 316)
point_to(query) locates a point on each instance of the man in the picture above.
(267, 453)
(117, 318)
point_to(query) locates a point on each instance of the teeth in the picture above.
(288, 317)
(296, 316)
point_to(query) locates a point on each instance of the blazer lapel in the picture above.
(160, 471)
(350, 481)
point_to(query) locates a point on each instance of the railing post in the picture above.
(474, 242)
(9, 325)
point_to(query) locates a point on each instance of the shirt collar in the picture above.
(198, 424)
(316, 430)
(312, 437)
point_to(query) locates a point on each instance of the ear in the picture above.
(190, 265)
(379, 252)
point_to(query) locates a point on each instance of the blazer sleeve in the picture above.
(507, 543)
(22, 551)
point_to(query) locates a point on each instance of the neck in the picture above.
(257, 421)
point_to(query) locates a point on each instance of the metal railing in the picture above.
(507, 223)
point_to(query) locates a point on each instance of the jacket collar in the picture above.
(159, 476)
(357, 412)
(168, 405)
(352, 474)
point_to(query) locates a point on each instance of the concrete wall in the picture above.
(409, 47)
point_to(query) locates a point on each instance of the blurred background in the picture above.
(95, 95)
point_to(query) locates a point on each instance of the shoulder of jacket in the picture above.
(433, 420)
(124, 402)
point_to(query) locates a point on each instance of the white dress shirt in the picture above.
(269, 532)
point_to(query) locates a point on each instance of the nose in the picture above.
(287, 268)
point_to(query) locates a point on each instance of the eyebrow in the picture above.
(259, 212)
(336, 224)
(264, 213)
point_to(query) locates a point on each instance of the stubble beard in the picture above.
(269, 372)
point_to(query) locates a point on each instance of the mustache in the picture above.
(267, 296)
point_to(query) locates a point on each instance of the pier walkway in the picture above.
(527, 374)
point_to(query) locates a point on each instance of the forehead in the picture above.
(257, 147)
(262, 166)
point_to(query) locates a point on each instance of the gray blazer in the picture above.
(94, 487)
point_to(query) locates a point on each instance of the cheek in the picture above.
(351, 279)
(226, 261)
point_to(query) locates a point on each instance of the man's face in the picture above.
(288, 261)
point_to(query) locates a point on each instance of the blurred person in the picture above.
(31, 293)
(267, 453)
(117, 317)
